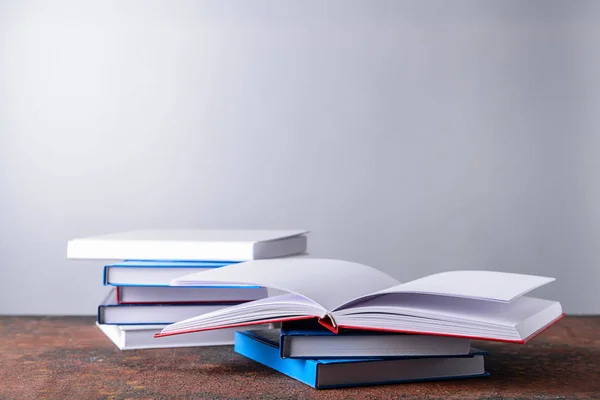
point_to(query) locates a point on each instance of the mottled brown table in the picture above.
(68, 358)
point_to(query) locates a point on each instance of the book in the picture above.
(111, 312)
(484, 305)
(190, 244)
(323, 344)
(132, 337)
(175, 295)
(153, 273)
(334, 373)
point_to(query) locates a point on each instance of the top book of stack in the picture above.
(340, 294)
(190, 245)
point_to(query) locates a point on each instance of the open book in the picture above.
(340, 294)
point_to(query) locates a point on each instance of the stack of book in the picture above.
(339, 323)
(141, 301)
(346, 324)
(357, 359)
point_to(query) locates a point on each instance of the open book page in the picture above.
(516, 321)
(327, 282)
(453, 309)
(280, 307)
(478, 285)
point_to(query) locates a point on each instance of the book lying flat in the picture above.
(190, 244)
(178, 295)
(153, 273)
(334, 373)
(340, 294)
(322, 344)
(110, 312)
(130, 337)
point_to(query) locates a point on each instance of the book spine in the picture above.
(329, 324)
(100, 315)
(284, 346)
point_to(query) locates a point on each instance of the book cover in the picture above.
(190, 244)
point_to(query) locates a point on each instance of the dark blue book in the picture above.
(263, 346)
(112, 313)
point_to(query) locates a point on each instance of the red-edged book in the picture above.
(475, 304)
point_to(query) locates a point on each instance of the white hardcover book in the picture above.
(340, 294)
(190, 244)
(131, 337)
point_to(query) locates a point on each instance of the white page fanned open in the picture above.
(336, 280)
(341, 294)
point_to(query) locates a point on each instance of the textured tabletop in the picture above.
(68, 358)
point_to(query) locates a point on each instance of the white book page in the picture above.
(327, 282)
(276, 307)
(481, 285)
(455, 310)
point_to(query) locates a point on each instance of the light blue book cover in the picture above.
(191, 266)
(335, 373)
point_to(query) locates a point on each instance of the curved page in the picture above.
(280, 308)
(326, 282)
(478, 285)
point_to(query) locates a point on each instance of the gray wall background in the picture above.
(412, 136)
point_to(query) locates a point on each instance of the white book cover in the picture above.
(131, 337)
(190, 244)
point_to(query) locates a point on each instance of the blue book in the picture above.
(263, 347)
(148, 282)
(155, 273)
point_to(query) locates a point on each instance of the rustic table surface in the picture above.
(69, 358)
